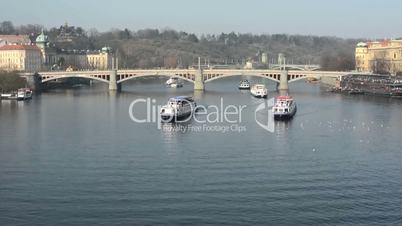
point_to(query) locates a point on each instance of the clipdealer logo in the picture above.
(212, 118)
(266, 108)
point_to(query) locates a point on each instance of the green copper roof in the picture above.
(42, 38)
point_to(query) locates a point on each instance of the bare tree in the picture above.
(381, 65)
(7, 28)
(170, 62)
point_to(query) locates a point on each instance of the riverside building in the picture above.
(17, 57)
(379, 56)
(18, 53)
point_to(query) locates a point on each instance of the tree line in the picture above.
(10, 81)
(151, 48)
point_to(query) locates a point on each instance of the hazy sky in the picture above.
(344, 18)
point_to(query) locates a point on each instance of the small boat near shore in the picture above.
(178, 109)
(285, 108)
(355, 91)
(20, 94)
(259, 90)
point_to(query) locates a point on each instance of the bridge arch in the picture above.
(301, 76)
(129, 77)
(297, 79)
(101, 78)
(251, 74)
(288, 68)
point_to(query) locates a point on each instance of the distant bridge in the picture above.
(197, 76)
(308, 67)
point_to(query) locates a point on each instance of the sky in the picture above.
(342, 18)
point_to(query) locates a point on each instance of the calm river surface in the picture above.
(74, 157)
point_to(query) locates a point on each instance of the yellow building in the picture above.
(101, 60)
(20, 58)
(77, 59)
(379, 57)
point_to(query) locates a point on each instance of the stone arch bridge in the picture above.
(199, 77)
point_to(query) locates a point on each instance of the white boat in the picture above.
(244, 84)
(176, 85)
(178, 108)
(284, 108)
(8, 96)
(259, 90)
(24, 94)
(174, 82)
(171, 80)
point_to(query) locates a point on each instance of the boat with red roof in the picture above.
(284, 108)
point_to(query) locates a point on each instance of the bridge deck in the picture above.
(208, 75)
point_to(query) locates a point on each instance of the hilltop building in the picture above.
(67, 33)
(379, 56)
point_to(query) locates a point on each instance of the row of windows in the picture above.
(20, 67)
(13, 61)
(33, 58)
(16, 61)
(11, 54)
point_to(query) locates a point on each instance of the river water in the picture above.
(74, 157)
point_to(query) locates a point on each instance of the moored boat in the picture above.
(179, 108)
(20, 94)
(9, 96)
(24, 94)
(284, 108)
(259, 90)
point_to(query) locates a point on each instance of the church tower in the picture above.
(42, 42)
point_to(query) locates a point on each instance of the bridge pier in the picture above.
(34, 82)
(199, 80)
(113, 86)
(283, 82)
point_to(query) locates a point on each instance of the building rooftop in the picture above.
(361, 44)
(14, 39)
(42, 38)
(19, 47)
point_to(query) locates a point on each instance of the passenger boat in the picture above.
(244, 84)
(178, 108)
(24, 94)
(259, 90)
(174, 82)
(284, 108)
